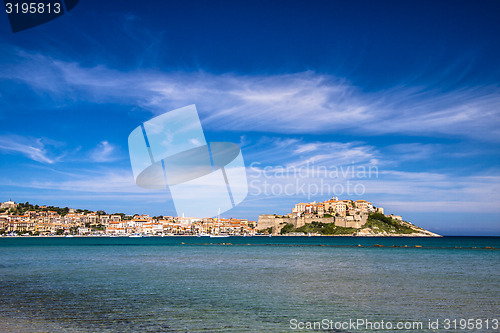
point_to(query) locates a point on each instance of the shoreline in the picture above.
(159, 236)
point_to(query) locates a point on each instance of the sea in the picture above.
(249, 284)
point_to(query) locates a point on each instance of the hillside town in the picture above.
(345, 216)
(344, 213)
(336, 207)
(44, 220)
(342, 216)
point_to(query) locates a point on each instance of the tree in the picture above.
(64, 211)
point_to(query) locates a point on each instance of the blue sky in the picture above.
(410, 89)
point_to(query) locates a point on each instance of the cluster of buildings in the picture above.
(169, 225)
(334, 207)
(42, 221)
(343, 213)
(47, 222)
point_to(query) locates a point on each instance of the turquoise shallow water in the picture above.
(256, 284)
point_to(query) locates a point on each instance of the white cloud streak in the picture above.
(104, 152)
(48, 151)
(296, 103)
(36, 149)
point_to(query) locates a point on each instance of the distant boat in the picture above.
(135, 236)
(69, 236)
(203, 234)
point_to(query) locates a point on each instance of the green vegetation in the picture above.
(318, 228)
(22, 208)
(79, 211)
(325, 229)
(287, 228)
(379, 223)
(266, 231)
(98, 226)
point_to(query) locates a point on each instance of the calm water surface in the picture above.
(255, 284)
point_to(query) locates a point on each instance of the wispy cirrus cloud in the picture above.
(305, 102)
(104, 152)
(37, 149)
(299, 153)
(335, 153)
(49, 151)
